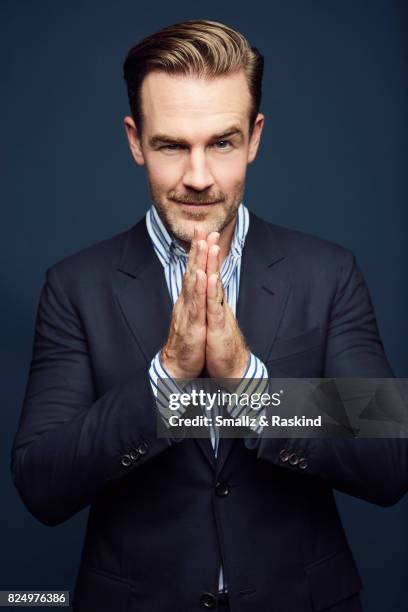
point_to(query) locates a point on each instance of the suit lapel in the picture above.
(145, 301)
(263, 293)
(143, 295)
(264, 288)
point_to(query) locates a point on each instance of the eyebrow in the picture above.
(164, 138)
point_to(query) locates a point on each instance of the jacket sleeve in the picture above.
(70, 444)
(373, 469)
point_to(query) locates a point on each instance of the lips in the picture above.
(196, 203)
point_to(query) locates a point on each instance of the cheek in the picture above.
(164, 174)
(229, 172)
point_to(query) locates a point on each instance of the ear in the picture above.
(255, 137)
(134, 140)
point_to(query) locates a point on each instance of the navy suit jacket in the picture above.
(159, 522)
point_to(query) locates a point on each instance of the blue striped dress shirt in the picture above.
(173, 258)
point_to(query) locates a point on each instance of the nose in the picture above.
(197, 173)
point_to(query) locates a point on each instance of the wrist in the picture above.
(170, 364)
(241, 367)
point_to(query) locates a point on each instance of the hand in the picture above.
(226, 351)
(183, 355)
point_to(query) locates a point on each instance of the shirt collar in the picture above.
(164, 244)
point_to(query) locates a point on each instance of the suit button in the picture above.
(303, 463)
(284, 455)
(134, 455)
(142, 448)
(293, 459)
(207, 600)
(126, 460)
(221, 489)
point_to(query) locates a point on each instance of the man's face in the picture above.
(196, 148)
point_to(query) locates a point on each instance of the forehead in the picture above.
(189, 106)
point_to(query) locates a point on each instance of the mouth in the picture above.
(197, 204)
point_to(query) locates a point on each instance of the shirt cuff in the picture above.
(254, 380)
(163, 386)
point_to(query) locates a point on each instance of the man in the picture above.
(199, 287)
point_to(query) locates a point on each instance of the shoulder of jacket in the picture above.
(303, 246)
(95, 262)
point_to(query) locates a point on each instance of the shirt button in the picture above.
(207, 600)
(221, 489)
(142, 448)
(134, 455)
(303, 463)
(284, 455)
(293, 459)
(126, 460)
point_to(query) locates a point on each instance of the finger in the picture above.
(202, 254)
(215, 310)
(220, 292)
(200, 297)
(198, 234)
(213, 260)
(200, 263)
(213, 238)
(212, 287)
(194, 253)
(193, 249)
(201, 233)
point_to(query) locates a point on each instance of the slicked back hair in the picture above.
(200, 48)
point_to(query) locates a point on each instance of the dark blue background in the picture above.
(331, 163)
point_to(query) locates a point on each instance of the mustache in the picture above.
(196, 198)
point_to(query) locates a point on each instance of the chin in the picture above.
(180, 223)
(184, 229)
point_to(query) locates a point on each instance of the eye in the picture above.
(172, 147)
(222, 144)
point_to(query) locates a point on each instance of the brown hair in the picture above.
(199, 47)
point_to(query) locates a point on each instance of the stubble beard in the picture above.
(220, 217)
